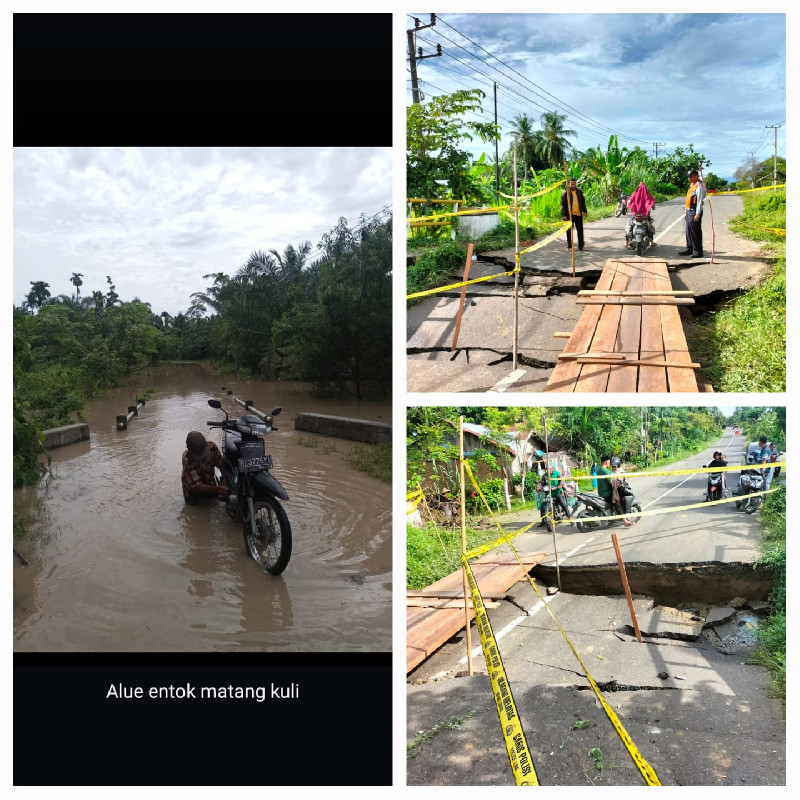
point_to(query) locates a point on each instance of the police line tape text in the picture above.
(119, 691)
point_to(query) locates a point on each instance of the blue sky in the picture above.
(711, 80)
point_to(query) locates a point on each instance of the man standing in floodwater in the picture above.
(197, 477)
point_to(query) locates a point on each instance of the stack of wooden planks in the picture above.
(435, 614)
(629, 337)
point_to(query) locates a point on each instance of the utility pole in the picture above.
(413, 59)
(775, 157)
(656, 145)
(496, 152)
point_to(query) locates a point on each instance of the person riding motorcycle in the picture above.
(641, 202)
(718, 461)
(619, 491)
(557, 490)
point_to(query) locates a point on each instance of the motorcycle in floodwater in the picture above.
(639, 235)
(255, 494)
(591, 517)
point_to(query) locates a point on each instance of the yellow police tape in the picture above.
(744, 191)
(473, 211)
(730, 468)
(456, 285)
(647, 772)
(547, 239)
(516, 269)
(535, 194)
(413, 499)
(517, 747)
(760, 228)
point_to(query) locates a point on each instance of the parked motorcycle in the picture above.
(255, 494)
(590, 518)
(543, 497)
(639, 237)
(750, 481)
(622, 206)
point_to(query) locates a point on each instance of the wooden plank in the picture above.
(454, 594)
(674, 292)
(676, 351)
(594, 377)
(421, 602)
(626, 379)
(608, 356)
(562, 334)
(566, 373)
(637, 301)
(639, 362)
(651, 348)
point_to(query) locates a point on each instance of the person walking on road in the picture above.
(695, 200)
(577, 205)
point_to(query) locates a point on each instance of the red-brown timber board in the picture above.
(427, 629)
(643, 332)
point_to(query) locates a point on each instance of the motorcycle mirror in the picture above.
(215, 404)
(704, 466)
(276, 411)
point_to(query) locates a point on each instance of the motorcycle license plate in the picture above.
(255, 463)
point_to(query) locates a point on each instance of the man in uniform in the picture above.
(197, 477)
(695, 200)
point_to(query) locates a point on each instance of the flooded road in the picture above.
(118, 561)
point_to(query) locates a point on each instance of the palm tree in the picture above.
(38, 295)
(526, 143)
(77, 282)
(551, 143)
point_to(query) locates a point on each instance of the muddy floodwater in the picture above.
(118, 561)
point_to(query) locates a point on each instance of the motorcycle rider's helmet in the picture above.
(539, 454)
(616, 461)
(717, 453)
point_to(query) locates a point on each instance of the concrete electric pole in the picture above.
(415, 55)
(775, 156)
(656, 145)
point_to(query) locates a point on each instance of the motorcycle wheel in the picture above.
(586, 520)
(638, 248)
(271, 546)
(548, 519)
(634, 507)
(751, 507)
(617, 212)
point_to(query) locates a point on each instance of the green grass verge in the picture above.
(375, 461)
(743, 346)
(772, 635)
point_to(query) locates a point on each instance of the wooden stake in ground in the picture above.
(626, 587)
(464, 540)
(550, 494)
(463, 296)
(569, 211)
(516, 260)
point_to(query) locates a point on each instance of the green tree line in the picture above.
(321, 317)
(438, 165)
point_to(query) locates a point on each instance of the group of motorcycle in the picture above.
(588, 510)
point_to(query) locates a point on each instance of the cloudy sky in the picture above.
(157, 220)
(712, 80)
